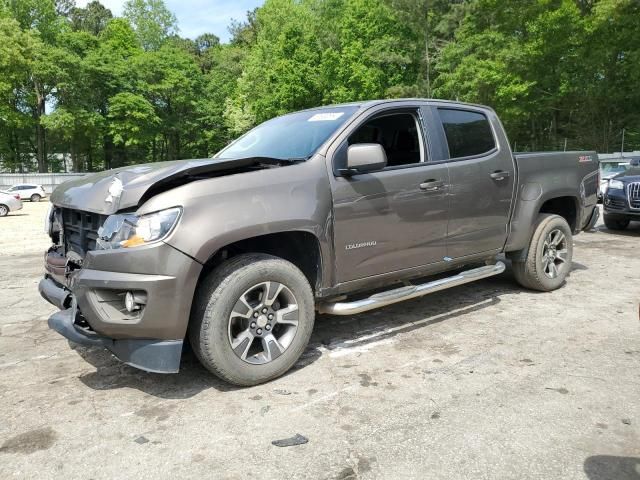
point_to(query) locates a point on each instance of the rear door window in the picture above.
(468, 133)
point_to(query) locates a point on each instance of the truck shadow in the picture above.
(331, 333)
(609, 467)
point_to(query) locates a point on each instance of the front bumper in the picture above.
(616, 205)
(91, 300)
(158, 356)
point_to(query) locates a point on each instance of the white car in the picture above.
(28, 191)
(9, 202)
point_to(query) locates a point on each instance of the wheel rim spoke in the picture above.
(558, 238)
(242, 343)
(242, 308)
(545, 264)
(272, 290)
(272, 347)
(288, 315)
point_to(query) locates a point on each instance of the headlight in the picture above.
(616, 185)
(129, 230)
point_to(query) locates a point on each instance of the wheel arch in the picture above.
(565, 204)
(300, 247)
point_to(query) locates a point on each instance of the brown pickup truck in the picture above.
(311, 211)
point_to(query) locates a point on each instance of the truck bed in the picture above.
(543, 175)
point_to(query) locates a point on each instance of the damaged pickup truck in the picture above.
(338, 210)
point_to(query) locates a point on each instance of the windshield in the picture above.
(612, 168)
(293, 136)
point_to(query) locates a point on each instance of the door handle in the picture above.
(499, 175)
(431, 185)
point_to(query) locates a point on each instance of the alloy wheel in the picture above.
(263, 322)
(554, 253)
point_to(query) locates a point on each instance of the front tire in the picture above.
(548, 260)
(35, 197)
(615, 223)
(252, 319)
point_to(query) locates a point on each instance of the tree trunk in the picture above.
(41, 146)
(108, 152)
(90, 158)
(427, 58)
(74, 158)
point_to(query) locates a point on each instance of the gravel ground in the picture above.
(484, 381)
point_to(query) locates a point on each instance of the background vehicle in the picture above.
(622, 199)
(608, 170)
(31, 192)
(309, 211)
(9, 203)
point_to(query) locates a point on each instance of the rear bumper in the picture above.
(158, 356)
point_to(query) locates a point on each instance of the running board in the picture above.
(412, 291)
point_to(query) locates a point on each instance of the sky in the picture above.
(196, 17)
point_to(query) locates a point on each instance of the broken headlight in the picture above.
(127, 230)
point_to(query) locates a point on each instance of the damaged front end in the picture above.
(115, 283)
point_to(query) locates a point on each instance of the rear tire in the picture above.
(252, 319)
(35, 197)
(4, 210)
(614, 223)
(549, 256)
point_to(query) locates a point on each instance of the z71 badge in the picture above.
(585, 158)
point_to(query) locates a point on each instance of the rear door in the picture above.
(482, 175)
(396, 218)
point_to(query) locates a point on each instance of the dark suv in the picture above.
(622, 200)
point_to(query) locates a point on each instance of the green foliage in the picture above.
(116, 91)
(132, 119)
(151, 20)
(93, 18)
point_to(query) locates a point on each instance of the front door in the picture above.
(396, 218)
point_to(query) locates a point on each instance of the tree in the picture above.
(170, 80)
(18, 54)
(151, 20)
(93, 18)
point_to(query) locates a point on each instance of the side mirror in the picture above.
(364, 158)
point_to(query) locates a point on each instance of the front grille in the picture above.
(614, 202)
(633, 195)
(81, 230)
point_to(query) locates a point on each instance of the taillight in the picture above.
(16, 196)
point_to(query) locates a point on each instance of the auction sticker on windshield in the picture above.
(326, 117)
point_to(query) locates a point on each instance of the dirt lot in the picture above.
(484, 381)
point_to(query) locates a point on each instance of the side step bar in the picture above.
(412, 291)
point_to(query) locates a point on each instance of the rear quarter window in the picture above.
(468, 133)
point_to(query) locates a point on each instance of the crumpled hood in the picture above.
(112, 190)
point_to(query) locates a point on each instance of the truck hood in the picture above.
(127, 187)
